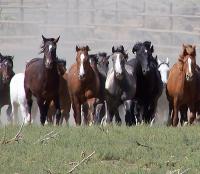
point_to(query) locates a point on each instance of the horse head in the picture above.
(143, 55)
(82, 60)
(163, 68)
(49, 49)
(61, 66)
(6, 67)
(188, 61)
(119, 58)
(103, 63)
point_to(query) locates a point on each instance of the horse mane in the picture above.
(188, 50)
(61, 61)
(122, 51)
(103, 54)
(6, 57)
(43, 45)
(136, 47)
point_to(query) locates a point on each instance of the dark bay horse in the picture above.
(42, 80)
(101, 60)
(83, 85)
(120, 87)
(182, 85)
(149, 83)
(6, 74)
(65, 102)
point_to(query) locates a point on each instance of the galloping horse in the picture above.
(83, 85)
(18, 99)
(101, 61)
(42, 80)
(182, 85)
(6, 73)
(149, 83)
(120, 87)
(65, 102)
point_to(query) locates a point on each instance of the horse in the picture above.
(18, 99)
(120, 87)
(6, 74)
(161, 116)
(149, 83)
(65, 102)
(83, 85)
(101, 60)
(42, 80)
(182, 85)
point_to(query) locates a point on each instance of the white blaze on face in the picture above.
(145, 50)
(189, 65)
(164, 72)
(50, 47)
(118, 67)
(81, 71)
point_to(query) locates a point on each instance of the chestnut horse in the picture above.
(42, 80)
(65, 102)
(6, 74)
(182, 83)
(83, 85)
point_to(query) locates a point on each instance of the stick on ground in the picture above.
(84, 159)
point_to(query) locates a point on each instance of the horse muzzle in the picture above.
(189, 76)
(5, 79)
(49, 65)
(81, 77)
(119, 76)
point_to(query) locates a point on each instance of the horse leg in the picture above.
(29, 101)
(169, 120)
(117, 118)
(175, 113)
(91, 110)
(24, 113)
(129, 118)
(9, 112)
(14, 113)
(183, 112)
(99, 112)
(85, 109)
(43, 107)
(192, 114)
(77, 110)
(58, 111)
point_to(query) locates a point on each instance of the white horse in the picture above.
(18, 99)
(162, 112)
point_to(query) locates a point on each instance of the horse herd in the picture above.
(98, 91)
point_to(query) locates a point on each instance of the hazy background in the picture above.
(98, 23)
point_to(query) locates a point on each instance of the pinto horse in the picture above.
(120, 87)
(42, 80)
(83, 85)
(182, 85)
(6, 74)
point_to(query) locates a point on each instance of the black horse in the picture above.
(42, 80)
(6, 74)
(120, 87)
(149, 83)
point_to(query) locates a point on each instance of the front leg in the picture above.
(57, 106)
(43, 107)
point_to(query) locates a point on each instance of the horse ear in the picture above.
(113, 49)
(158, 60)
(56, 40)
(167, 60)
(87, 48)
(77, 48)
(122, 47)
(44, 38)
(152, 49)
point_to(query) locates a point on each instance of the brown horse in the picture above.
(65, 102)
(6, 74)
(182, 83)
(42, 80)
(83, 84)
